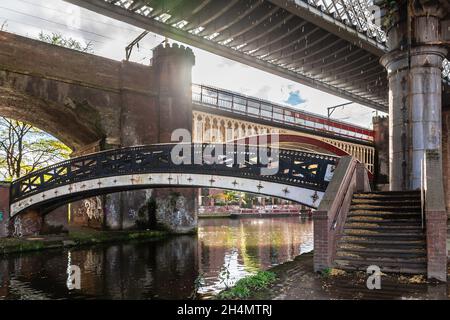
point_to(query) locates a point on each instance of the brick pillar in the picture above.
(436, 218)
(446, 153)
(334, 205)
(381, 142)
(139, 125)
(172, 66)
(4, 210)
(322, 246)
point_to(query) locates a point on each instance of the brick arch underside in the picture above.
(302, 141)
(44, 104)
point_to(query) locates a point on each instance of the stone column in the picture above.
(415, 80)
(426, 104)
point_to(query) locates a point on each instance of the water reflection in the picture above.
(164, 269)
(243, 246)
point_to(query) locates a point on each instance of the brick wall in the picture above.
(446, 153)
(381, 141)
(330, 217)
(77, 97)
(4, 209)
(436, 217)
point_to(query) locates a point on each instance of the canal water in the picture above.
(224, 251)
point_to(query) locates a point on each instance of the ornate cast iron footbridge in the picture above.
(294, 175)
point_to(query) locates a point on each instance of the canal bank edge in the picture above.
(309, 285)
(78, 237)
(280, 274)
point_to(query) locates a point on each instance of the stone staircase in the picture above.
(383, 229)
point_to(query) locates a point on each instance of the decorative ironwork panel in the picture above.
(446, 71)
(302, 169)
(356, 14)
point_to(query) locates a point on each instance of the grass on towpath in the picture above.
(75, 237)
(248, 285)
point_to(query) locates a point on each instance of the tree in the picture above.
(231, 197)
(59, 40)
(24, 149)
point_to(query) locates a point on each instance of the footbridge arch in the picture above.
(293, 175)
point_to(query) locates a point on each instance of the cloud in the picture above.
(295, 98)
(263, 92)
(226, 63)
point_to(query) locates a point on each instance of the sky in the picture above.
(110, 37)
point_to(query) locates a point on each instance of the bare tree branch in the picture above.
(24, 148)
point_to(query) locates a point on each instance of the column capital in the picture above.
(430, 8)
(426, 55)
(395, 61)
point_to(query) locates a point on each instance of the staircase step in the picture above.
(394, 232)
(385, 221)
(383, 229)
(389, 193)
(381, 249)
(409, 268)
(385, 214)
(395, 243)
(386, 203)
(380, 253)
(369, 236)
(390, 208)
(383, 224)
(381, 197)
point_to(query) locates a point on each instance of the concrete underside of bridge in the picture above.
(92, 103)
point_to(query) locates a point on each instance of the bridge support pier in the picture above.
(176, 209)
(143, 123)
(4, 210)
(414, 67)
(28, 223)
(415, 94)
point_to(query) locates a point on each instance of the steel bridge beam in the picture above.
(164, 29)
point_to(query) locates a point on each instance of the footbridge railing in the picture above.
(280, 167)
(275, 113)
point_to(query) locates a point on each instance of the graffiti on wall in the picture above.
(93, 208)
(17, 227)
